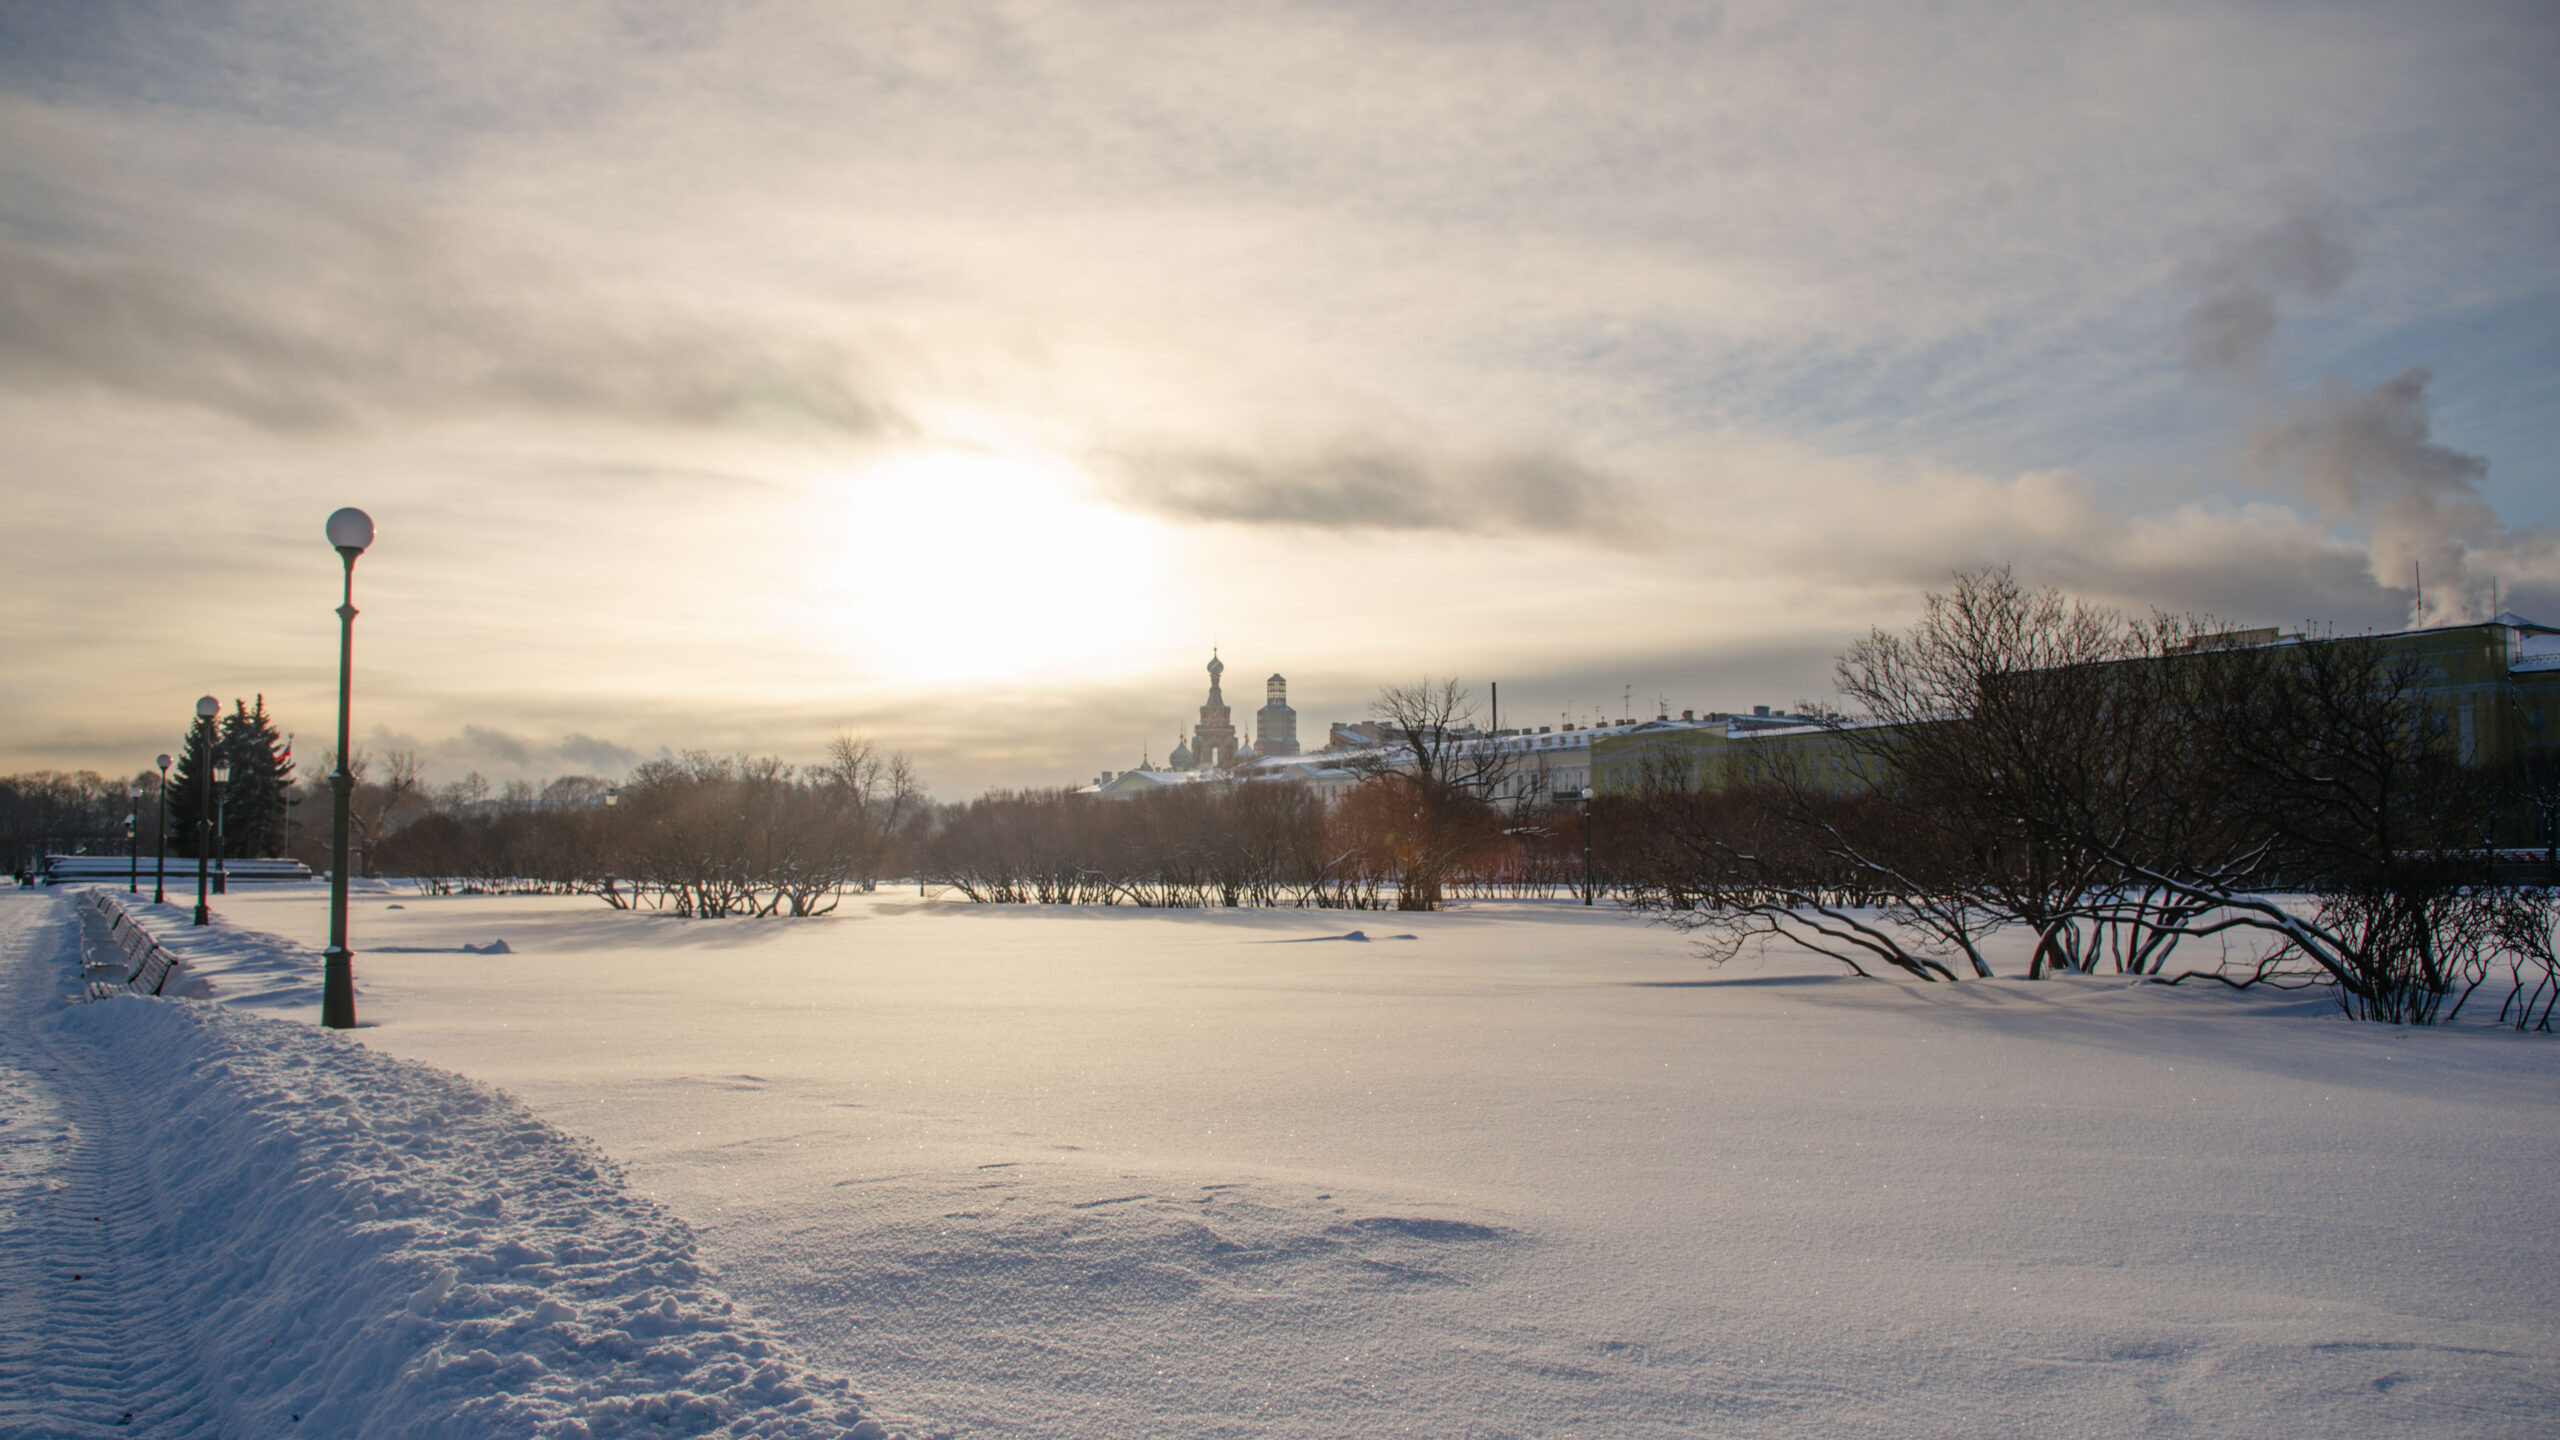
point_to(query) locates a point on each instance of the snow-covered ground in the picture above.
(1531, 1172)
(216, 1224)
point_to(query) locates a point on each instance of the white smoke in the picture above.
(2363, 457)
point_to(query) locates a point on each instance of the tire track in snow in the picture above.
(87, 1351)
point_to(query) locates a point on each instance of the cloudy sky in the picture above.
(725, 376)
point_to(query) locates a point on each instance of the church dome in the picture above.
(1217, 667)
(1180, 759)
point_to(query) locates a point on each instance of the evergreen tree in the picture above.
(253, 804)
(187, 785)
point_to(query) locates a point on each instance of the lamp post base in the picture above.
(337, 989)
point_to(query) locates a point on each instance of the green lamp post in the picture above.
(350, 531)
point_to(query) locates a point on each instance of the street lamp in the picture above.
(160, 865)
(350, 530)
(221, 812)
(206, 708)
(133, 851)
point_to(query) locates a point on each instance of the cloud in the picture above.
(601, 757)
(295, 283)
(1369, 486)
(1876, 537)
(481, 749)
(414, 337)
(1541, 334)
(497, 745)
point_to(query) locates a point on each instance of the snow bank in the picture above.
(364, 1245)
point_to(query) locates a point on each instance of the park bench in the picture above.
(147, 962)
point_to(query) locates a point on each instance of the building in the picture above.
(1213, 740)
(2492, 689)
(1546, 763)
(1275, 725)
(1214, 749)
(1728, 749)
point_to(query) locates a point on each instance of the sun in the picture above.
(953, 564)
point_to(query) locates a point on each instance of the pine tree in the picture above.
(253, 804)
(187, 786)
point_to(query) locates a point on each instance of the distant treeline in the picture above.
(1250, 844)
(85, 813)
(69, 813)
(701, 835)
(710, 836)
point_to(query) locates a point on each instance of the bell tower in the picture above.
(1275, 725)
(1213, 740)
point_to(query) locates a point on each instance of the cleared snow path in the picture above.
(77, 1295)
(215, 1223)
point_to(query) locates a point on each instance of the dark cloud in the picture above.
(379, 334)
(601, 757)
(1362, 486)
(497, 745)
(481, 748)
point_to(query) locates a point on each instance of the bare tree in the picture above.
(877, 796)
(1769, 857)
(373, 806)
(2001, 728)
(1429, 794)
(2330, 778)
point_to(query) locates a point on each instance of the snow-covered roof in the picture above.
(1147, 779)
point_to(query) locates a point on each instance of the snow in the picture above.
(1534, 1171)
(219, 1223)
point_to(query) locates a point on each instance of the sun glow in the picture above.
(950, 565)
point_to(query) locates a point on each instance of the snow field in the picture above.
(276, 1229)
(1530, 1173)
(1535, 1172)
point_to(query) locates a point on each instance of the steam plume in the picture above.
(2365, 457)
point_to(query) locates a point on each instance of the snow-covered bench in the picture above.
(147, 961)
(70, 869)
